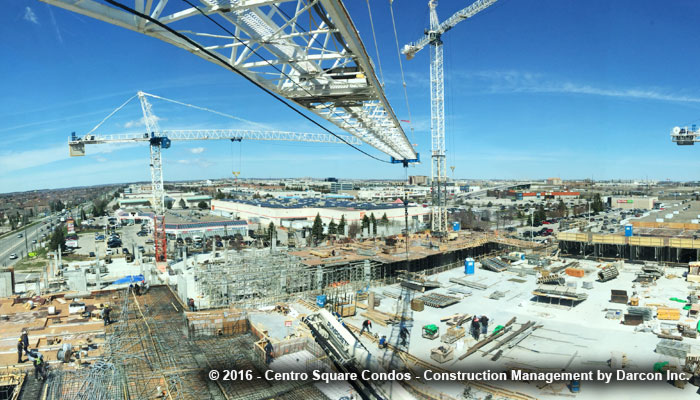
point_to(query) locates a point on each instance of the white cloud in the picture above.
(30, 16)
(197, 150)
(101, 159)
(183, 161)
(19, 160)
(527, 82)
(139, 122)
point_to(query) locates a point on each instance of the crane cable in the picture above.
(234, 69)
(403, 77)
(376, 48)
(207, 109)
(113, 112)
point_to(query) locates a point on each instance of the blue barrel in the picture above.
(455, 226)
(469, 266)
(628, 230)
(321, 300)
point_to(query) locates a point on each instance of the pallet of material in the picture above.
(665, 313)
(453, 334)
(437, 300)
(575, 272)
(618, 296)
(494, 265)
(645, 312)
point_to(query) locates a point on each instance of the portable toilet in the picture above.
(321, 300)
(455, 226)
(628, 230)
(469, 266)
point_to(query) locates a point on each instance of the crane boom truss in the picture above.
(307, 51)
(215, 134)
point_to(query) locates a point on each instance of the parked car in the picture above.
(141, 233)
(99, 237)
(125, 250)
(92, 254)
(108, 252)
(13, 256)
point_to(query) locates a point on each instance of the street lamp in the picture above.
(532, 223)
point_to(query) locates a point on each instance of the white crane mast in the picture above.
(433, 37)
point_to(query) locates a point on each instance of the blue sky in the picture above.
(534, 88)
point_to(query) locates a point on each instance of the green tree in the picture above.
(83, 217)
(115, 207)
(332, 228)
(341, 225)
(271, 232)
(220, 195)
(373, 221)
(58, 238)
(489, 204)
(353, 230)
(182, 203)
(202, 205)
(562, 210)
(597, 204)
(317, 229)
(365, 223)
(98, 207)
(169, 204)
(385, 220)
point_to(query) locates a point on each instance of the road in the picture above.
(13, 244)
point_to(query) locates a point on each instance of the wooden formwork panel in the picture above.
(646, 241)
(608, 239)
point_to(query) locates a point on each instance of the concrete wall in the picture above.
(6, 289)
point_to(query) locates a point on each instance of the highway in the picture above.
(13, 244)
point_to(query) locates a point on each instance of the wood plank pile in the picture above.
(456, 319)
(384, 319)
(488, 339)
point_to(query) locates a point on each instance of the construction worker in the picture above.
(476, 328)
(137, 289)
(39, 365)
(484, 321)
(190, 304)
(268, 352)
(382, 342)
(105, 315)
(403, 334)
(25, 340)
(20, 347)
(366, 325)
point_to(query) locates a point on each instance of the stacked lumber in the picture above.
(667, 313)
(382, 318)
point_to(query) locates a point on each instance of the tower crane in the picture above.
(159, 140)
(433, 37)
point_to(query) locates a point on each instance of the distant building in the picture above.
(337, 187)
(417, 180)
(631, 202)
(207, 229)
(553, 181)
(302, 212)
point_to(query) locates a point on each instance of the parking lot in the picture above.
(90, 245)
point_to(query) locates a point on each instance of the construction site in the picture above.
(421, 308)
